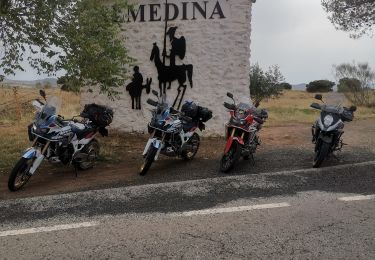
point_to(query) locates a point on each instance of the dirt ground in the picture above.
(53, 179)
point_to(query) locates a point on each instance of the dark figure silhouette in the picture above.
(135, 88)
(168, 74)
(178, 47)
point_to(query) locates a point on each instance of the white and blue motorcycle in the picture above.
(70, 142)
(173, 133)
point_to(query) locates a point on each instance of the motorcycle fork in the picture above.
(39, 159)
(161, 146)
(233, 132)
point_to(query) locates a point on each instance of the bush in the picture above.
(320, 86)
(358, 80)
(285, 85)
(347, 84)
(265, 84)
(47, 85)
(69, 83)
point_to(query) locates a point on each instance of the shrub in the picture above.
(285, 85)
(265, 84)
(320, 86)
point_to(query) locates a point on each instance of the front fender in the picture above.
(30, 153)
(230, 141)
(326, 138)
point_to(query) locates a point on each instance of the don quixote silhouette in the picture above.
(173, 72)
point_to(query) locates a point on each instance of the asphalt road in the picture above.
(300, 214)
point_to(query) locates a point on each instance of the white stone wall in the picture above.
(219, 50)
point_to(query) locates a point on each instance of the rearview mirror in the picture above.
(319, 97)
(230, 95)
(42, 94)
(353, 108)
(155, 93)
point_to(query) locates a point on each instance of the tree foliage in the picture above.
(2, 77)
(320, 86)
(79, 37)
(354, 16)
(265, 84)
(285, 86)
(360, 94)
(347, 84)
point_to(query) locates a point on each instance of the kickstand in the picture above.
(76, 170)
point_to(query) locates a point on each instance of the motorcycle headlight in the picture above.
(328, 120)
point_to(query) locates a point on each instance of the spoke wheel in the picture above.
(193, 144)
(149, 159)
(92, 150)
(229, 159)
(20, 174)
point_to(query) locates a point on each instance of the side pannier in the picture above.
(204, 114)
(99, 115)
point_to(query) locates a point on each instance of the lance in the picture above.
(165, 30)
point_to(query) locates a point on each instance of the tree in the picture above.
(354, 16)
(69, 84)
(285, 85)
(265, 84)
(346, 84)
(80, 37)
(320, 86)
(359, 94)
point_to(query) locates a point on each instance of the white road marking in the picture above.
(360, 197)
(232, 209)
(47, 229)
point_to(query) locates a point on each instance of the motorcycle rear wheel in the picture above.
(149, 159)
(190, 154)
(320, 154)
(229, 159)
(20, 174)
(92, 149)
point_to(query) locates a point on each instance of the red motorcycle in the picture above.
(241, 132)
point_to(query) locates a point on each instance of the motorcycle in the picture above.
(241, 132)
(60, 141)
(173, 133)
(328, 129)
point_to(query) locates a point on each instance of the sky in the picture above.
(297, 36)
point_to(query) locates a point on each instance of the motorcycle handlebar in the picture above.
(316, 106)
(258, 120)
(152, 102)
(229, 106)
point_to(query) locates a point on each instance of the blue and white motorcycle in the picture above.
(56, 140)
(173, 133)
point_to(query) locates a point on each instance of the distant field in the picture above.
(294, 107)
(16, 113)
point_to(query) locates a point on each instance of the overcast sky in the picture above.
(296, 35)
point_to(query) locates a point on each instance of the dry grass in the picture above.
(16, 114)
(294, 107)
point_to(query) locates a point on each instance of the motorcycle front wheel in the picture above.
(149, 159)
(321, 152)
(20, 174)
(229, 159)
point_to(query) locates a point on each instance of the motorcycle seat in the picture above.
(188, 126)
(81, 133)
